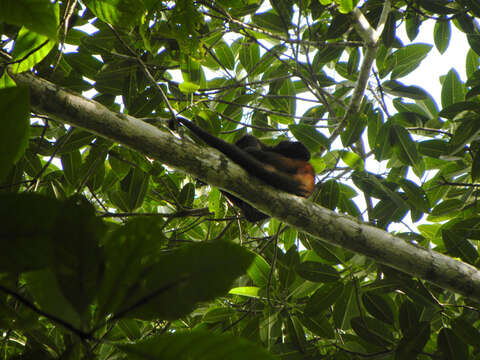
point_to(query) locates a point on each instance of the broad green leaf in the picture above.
(122, 13)
(296, 333)
(474, 42)
(467, 131)
(323, 298)
(45, 290)
(317, 272)
(413, 342)
(434, 148)
(187, 195)
(135, 186)
(28, 224)
(197, 345)
(218, 314)
(84, 63)
(472, 62)
(270, 21)
(71, 164)
(407, 59)
(466, 331)
(30, 48)
(249, 56)
(451, 346)
(404, 146)
(378, 307)
(15, 110)
(373, 331)
(78, 259)
(416, 196)
(329, 194)
(40, 16)
(168, 285)
(458, 246)
(353, 130)
(453, 90)
(441, 35)
(447, 207)
(353, 160)
(225, 55)
(408, 316)
(398, 89)
(452, 110)
(310, 137)
(259, 271)
(248, 291)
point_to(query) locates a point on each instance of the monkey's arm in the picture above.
(247, 161)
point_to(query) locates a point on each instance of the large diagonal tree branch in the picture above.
(214, 168)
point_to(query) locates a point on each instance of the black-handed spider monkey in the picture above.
(284, 166)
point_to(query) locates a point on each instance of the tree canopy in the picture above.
(116, 241)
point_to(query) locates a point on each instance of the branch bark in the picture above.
(214, 168)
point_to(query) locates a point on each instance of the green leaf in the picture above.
(249, 56)
(372, 331)
(317, 272)
(30, 48)
(329, 194)
(270, 21)
(452, 110)
(413, 342)
(323, 298)
(40, 16)
(45, 290)
(408, 316)
(188, 87)
(310, 137)
(225, 55)
(259, 271)
(405, 147)
(467, 332)
(451, 346)
(467, 131)
(354, 129)
(458, 246)
(15, 110)
(378, 307)
(441, 35)
(167, 285)
(346, 307)
(187, 195)
(475, 166)
(78, 260)
(397, 88)
(135, 186)
(248, 291)
(447, 207)
(28, 224)
(433, 148)
(71, 164)
(122, 13)
(295, 333)
(416, 196)
(407, 59)
(353, 160)
(453, 90)
(474, 42)
(218, 314)
(194, 345)
(85, 63)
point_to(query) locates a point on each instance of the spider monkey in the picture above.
(284, 166)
